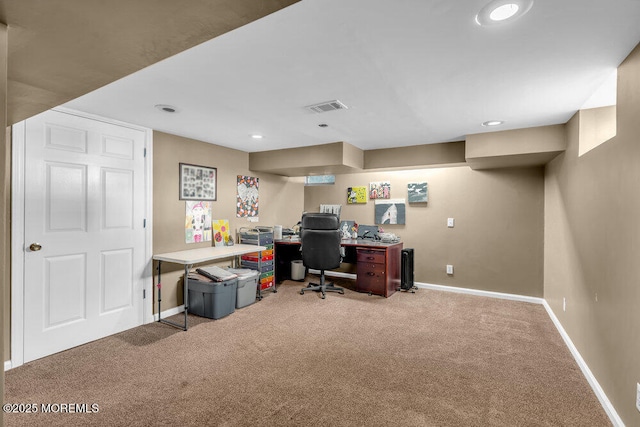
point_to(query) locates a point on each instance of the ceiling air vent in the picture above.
(323, 107)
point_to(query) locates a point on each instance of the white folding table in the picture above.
(191, 257)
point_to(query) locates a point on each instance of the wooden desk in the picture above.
(377, 263)
(196, 256)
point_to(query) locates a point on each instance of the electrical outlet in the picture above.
(449, 269)
(564, 304)
(450, 222)
(638, 396)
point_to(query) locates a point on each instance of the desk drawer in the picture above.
(370, 269)
(371, 278)
(369, 256)
(371, 281)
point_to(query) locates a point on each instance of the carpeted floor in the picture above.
(425, 359)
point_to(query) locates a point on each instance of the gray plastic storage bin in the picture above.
(247, 286)
(212, 299)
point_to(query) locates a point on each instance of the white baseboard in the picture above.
(490, 294)
(7, 365)
(602, 397)
(171, 312)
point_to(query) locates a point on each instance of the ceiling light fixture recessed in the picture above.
(166, 108)
(493, 123)
(256, 136)
(503, 12)
(498, 12)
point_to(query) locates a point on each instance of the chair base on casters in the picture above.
(322, 287)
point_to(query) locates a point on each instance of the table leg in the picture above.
(186, 298)
(186, 293)
(159, 286)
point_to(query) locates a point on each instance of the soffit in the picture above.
(60, 50)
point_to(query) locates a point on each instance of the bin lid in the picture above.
(243, 272)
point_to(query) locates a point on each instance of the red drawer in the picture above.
(257, 258)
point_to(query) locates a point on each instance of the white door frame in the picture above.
(18, 228)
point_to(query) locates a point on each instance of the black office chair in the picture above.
(320, 238)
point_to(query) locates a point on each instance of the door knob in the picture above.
(35, 247)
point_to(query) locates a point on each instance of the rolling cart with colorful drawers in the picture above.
(261, 261)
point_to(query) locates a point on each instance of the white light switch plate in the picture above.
(450, 222)
(449, 269)
(638, 396)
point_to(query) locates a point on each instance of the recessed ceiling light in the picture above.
(503, 12)
(166, 108)
(493, 123)
(500, 11)
(256, 136)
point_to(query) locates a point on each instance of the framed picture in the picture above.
(197, 182)
(356, 195)
(418, 192)
(379, 190)
(391, 211)
(247, 196)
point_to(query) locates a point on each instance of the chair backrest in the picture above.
(320, 238)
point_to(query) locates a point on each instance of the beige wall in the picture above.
(281, 199)
(597, 125)
(416, 156)
(515, 148)
(334, 157)
(592, 242)
(496, 244)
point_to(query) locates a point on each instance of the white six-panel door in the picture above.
(84, 233)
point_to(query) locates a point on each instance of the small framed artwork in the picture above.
(356, 195)
(247, 196)
(391, 211)
(197, 182)
(379, 190)
(418, 192)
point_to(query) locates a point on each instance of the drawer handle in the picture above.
(371, 257)
(370, 273)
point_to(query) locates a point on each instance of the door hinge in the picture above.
(144, 293)
(145, 151)
(144, 223)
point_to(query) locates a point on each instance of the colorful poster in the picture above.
(357, 195)
(220, 232)
(197, 224)
(247, 197)
(418, 192)
(379, 190)
(390, 211)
